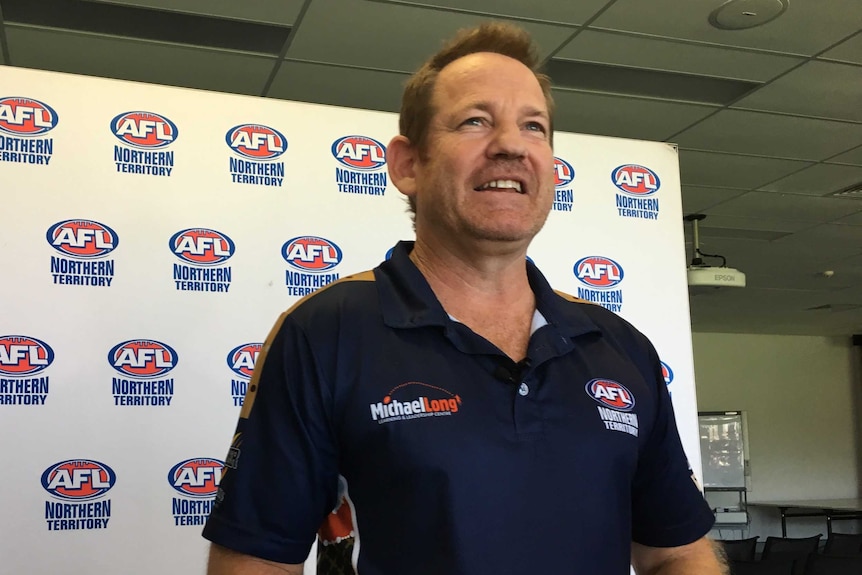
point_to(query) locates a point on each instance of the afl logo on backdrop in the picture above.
(82, 239)
(26, 117)
(256, 141)
(666, 373)
(144, 358)
(635, 180)
(359, 152)
(23, 355)
(598, 272)
(196, 477)
(311, 254)
(611, 394)
(564, 173)
(144, 130)
(78, 479)
(242, 358)
(202, 246)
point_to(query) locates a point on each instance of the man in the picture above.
(441, 398)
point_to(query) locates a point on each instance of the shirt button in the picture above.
(524, 389)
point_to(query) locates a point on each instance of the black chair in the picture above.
(843, 544)
(776, 567)
(790, 548)
(830, 565)
(739, 549)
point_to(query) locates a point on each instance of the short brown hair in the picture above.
(498, 37)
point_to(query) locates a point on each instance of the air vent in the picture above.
(146, 24)
(627, 81)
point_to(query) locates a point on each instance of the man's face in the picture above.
(487, 170)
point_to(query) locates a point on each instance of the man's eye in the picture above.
(536, 127)
(473, 122)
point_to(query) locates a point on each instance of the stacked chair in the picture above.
(841, 555)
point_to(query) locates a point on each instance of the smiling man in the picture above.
(445, 404)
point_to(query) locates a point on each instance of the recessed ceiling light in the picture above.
(743, 14)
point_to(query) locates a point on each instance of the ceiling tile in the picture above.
(805, 28)
(718, 170)
(658, 54)
(773, 311)
(623, 117)
(848, 51)
(282, 12)
(738, 219)
(822, 89)
(850, 157)
(322, 84)
(853, 219)
(771, 135)
(547, 10)
(818, 180)
(699, 198)
(792, 211)
(827, 242)
(138, 60)
(341, 32)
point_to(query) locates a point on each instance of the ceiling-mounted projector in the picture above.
(702, 276)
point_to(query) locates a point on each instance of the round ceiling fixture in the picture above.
(744, 14)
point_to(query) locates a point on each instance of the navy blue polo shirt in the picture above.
(453, 458)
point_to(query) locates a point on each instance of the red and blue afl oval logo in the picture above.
(256, 142)
(242, 358)
(26, 117)
(598, 272)
(83, 239)
(196, 477)
(145, 358)
(23, 355)
(666, 373)
(144, 130)
(611, 394)
(564, 173)
(359, 152)
(311, 254)
(635, 180)
(201, 246)
(78, 479)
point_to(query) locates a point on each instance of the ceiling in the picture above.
(768, 119)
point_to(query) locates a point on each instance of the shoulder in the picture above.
(612, 327)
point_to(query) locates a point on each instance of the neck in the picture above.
(471, 273)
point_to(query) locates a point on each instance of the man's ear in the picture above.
(401, 160)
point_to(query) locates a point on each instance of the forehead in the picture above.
(483, 76)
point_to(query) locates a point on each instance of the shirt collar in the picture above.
(407, 301)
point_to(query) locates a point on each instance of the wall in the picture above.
(801, 395)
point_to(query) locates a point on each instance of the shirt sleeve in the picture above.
(668, 509)
(281, 475)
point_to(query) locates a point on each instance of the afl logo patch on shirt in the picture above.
(615, 402)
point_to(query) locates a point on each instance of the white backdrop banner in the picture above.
(150, 238)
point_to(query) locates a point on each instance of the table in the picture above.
(831, 509)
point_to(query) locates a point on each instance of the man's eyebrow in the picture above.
(483, 106)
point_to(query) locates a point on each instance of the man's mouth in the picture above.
(501, 185)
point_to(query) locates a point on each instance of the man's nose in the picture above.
(507, 141)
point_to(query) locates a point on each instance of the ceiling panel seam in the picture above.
(781, 75)
(574, 35)
(798, 115)
(291, 35)
(4, 44)
(469, 12)
(348, 66)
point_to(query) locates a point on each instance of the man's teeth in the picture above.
(510, 184)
